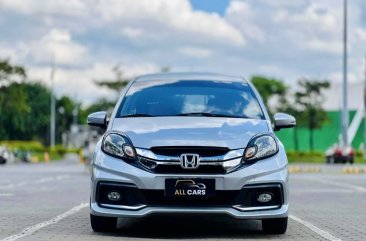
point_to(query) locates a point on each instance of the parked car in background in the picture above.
(190, 143)
(3, 155)
(6, 155)
(339, 154)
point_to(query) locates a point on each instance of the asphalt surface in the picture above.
(50, 202)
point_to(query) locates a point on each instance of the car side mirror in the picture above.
(282, 120)
(98, 119)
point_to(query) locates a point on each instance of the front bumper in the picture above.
(277, 213)
(269, 171)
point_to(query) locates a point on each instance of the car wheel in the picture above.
(274, 225)
(103, 224)
(2, 160)
(331, 160)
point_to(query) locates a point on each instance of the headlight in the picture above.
(260, 147)
(118, 145)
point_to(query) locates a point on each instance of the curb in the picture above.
(354, 170)
(310, 169)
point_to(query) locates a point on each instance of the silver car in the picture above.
(189, 143)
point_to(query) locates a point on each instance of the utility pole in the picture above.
(53, 107)
(345, 84)
(75, 111)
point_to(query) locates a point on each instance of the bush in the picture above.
(37, 149)
(35, 146)
(59, 149)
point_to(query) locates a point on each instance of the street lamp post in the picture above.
(345, 84)
(53, 106)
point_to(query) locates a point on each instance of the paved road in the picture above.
(50, 202)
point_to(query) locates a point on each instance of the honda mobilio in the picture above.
(190, 143)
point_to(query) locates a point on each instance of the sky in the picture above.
(282, 39)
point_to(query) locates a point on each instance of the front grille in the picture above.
(202, 151)
(132, 196)
(166, 159)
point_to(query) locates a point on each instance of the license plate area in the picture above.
(189, 187)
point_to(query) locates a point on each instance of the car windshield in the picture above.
(190, 98)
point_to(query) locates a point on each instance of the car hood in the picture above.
(147, 132)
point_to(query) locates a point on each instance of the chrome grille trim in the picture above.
(233, 154)
(228, 162)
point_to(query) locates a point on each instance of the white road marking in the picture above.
(32, 229)
(315, 229)
(38, 181)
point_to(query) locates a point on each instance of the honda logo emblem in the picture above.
(189, 161)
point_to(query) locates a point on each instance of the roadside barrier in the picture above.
(81, 156)
(46, 157)
(316, 169)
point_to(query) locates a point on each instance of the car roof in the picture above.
(190, 76)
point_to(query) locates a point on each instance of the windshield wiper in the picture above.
(209, 115)
(137, 115)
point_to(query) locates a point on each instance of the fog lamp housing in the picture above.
(264, 197)
(114, 196)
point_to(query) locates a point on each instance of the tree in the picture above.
(38, 117)
(290, 108)
(309, 101)
(13, 109)
(13, 100)
(65, 107)
(269, 88)
(11, 73)
(100, 105)
(115, 84)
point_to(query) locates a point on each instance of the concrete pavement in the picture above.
(50, 202)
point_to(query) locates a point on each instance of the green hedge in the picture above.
(24, 145)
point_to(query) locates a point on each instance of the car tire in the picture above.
(274, 225)
(2, 160)
(351, 160)
(103, 224)
(331, 160)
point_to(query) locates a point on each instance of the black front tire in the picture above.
(103, 224)
(274, 225)
(2, 160)
(327, 160)
(351, 160)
